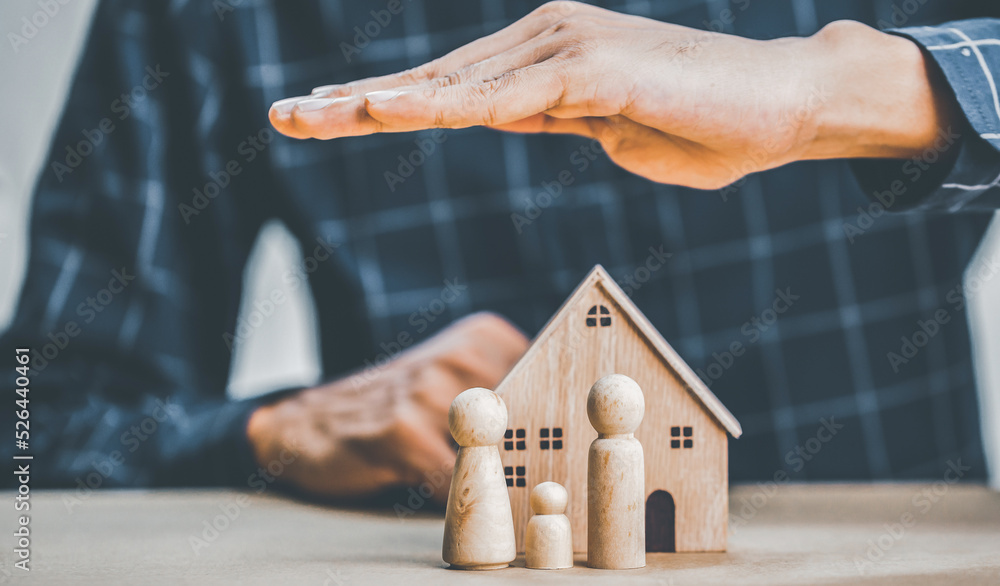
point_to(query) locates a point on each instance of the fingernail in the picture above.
(323, 90)
(284, 107)
(313, 105)
(381, 96)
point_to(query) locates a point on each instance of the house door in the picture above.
(660, 522)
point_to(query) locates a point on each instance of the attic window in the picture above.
(675, 434)
(555, 443)
(605, 316)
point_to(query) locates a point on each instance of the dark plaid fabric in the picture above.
(793, 294)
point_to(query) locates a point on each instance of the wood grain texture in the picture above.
(548, 543)
(548, 539)
(478, 528)
(548, 388)
(802, 534)
(616, 520)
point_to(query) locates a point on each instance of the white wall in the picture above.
(983, 293)
(36, 76)
(282, 351)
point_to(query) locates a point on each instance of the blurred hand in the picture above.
(387, 427)
(670, 103)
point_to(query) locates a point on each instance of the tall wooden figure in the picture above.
(616, 478)
(478, 525)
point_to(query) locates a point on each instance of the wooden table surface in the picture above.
(792, 534)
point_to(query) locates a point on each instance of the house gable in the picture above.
(600, 279)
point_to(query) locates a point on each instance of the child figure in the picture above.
(548, 540)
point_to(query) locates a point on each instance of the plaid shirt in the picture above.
(164, 168)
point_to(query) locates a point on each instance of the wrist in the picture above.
(259, 432)
(878, 95)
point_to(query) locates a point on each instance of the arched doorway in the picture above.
(660, 522)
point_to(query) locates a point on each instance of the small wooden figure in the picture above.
(478, 526)
(616, 512)
(548, 540)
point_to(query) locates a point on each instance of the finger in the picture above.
(544, 123)
(482, 362)
(529, 27)
(512, 96)
(425, 455)
(609, 131)
(280, 116)
(347, 116)
(481, 334)
(646, 151)
(330, 118)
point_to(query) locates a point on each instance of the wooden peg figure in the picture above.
(478, 525)
(616, 479)
(548, 540)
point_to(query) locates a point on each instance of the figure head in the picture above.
(477, 417)
(549, 498)
(615, 405)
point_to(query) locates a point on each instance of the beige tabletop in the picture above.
(789, 534)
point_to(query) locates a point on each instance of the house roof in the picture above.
(600, 278)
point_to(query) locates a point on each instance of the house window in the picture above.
(555, 433)
(509, 438)
(514, 475)
(675, 436)
(593, 313)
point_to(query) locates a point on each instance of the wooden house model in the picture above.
(599, 331)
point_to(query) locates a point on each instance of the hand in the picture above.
(672, 104)
(387, 426)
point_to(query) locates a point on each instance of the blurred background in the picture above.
(284, 351)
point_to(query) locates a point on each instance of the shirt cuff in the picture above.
(233, 457)
(961, 170)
